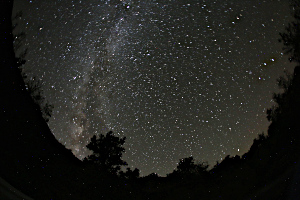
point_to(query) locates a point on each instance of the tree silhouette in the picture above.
(130, 174)
(187, 167)
(33, 85)
(280, 98)
(291, 36)
(151, 176)
(107, 152)
(286, 112)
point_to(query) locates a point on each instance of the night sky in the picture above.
(177, 78)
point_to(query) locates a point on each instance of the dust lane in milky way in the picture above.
(177, 78)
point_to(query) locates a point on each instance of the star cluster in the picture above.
(177, 78)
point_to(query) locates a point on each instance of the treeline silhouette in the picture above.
(35, 163)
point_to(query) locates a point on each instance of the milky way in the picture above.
(177, 78)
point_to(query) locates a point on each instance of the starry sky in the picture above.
(178, 78)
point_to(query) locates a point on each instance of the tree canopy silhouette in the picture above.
(130, 174)
(291, 36)
(188, 167)
(107, 152)
(33, 85)
(286, 111)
